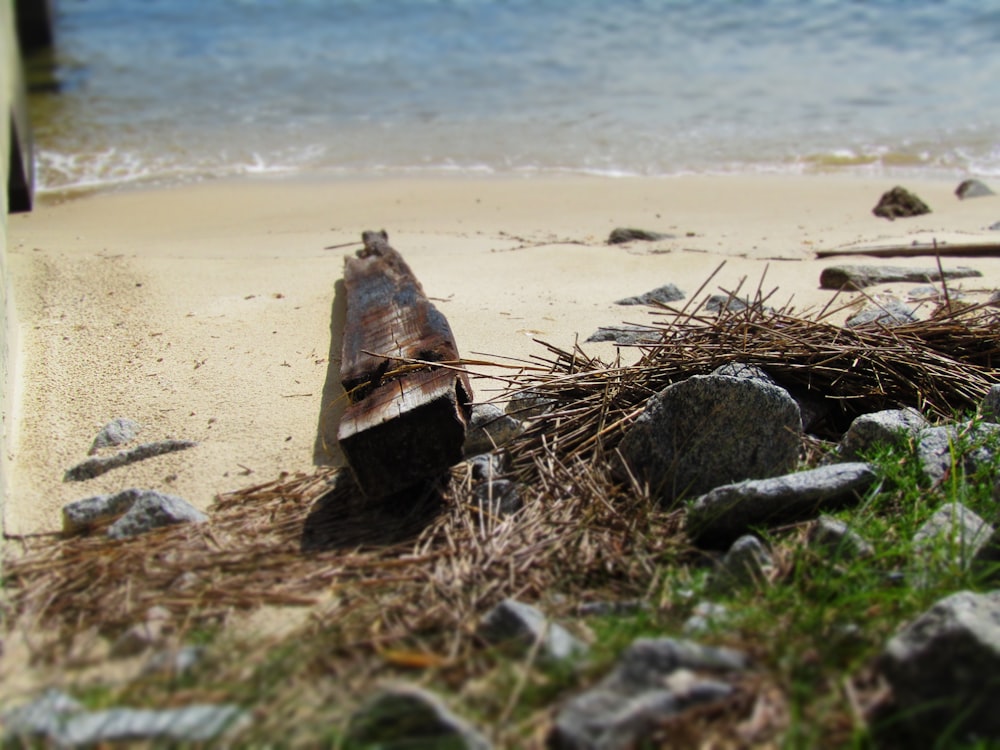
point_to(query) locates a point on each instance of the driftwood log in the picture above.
(956, 250)
(409, 399)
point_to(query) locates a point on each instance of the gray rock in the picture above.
(653, 680)
(856, 277)
(942, 669)
(153, 510)
(118, 431)
(942, 449)
(487, 466)
(721, 516)
(995, 227)
(489, 428)
(892, 427)
(710, 430)
(97, 465)
(660, 296)
(706, 617)
(899, 203)
(406, 716)
(514, 621)
(623, 234)
(174, 662)
(43, 717)
(838, 541)
(718, 303)
(953, 536)
(64, 724)
(886, 314)
(606, 609)
(498, 497)
(990, 407)
(626, 335)
(742, 370)
(972, 189)
(83, 515)
(747, 563)
(527, 404)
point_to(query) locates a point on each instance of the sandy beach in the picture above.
(207, 312)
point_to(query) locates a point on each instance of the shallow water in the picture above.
(171, 90)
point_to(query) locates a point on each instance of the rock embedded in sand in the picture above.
(711, 430)
(859, 277)
(900, 203)
(118, 431)
(888, 313)
(625, 335)
(154, 510)
(621, 235)
(660, 296)
(972, 189)
(97, 465)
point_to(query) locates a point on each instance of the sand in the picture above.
(207, 312)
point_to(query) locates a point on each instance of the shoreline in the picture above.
(207, 311)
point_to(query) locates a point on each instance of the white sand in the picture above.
(204, 312)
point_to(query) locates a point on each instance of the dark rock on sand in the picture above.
(887, 314)
(624, 234)
(118, 431)
(972, 189)
(154, 510)
(97, 465)
(859, 277)
(626, 335)
(660, 296)
(899, 203)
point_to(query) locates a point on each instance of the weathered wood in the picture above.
(407, 418)
(958, 250)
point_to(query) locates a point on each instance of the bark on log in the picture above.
(406, 420)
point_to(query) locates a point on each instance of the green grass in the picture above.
(813, 631)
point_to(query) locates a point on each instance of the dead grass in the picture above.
(398, 586)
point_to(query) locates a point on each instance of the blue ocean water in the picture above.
(169, 90)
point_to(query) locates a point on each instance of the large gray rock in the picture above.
(406, 716)
(892, 427)
(654, 679)
(856, 277)
(154, 510)
(719, 517)
(514, 621)
(942, 668)
(711, 430)
(941, 450)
